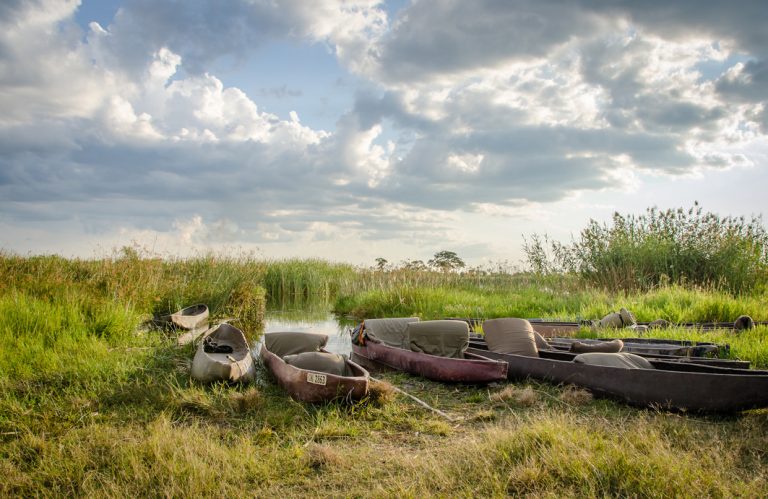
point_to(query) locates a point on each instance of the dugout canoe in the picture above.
(669, 385)
(658, 350)
(473, 368)
(311, 385)
(193, 317)
(223, 355)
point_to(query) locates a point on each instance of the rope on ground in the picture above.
(419, 401)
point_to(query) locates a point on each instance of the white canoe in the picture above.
(223, 355)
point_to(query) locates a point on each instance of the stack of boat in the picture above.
(639, 380)
(641, 371)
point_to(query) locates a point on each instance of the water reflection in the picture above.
(338, 337)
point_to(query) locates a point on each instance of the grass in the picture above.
(93, 403)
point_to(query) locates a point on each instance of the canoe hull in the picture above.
(307, 386)
(237, 366)
(671, 385)
(476, 368)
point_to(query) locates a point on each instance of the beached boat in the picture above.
(678, 385)
(193, 317)
(436, 350)
(308, 372)
(192, 320)
(639, 381)
(223, 355)
(478, 343)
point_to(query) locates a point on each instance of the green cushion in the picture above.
(324, 362)
(442, 338)
(289, 343)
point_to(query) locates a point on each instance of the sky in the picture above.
(355, 129)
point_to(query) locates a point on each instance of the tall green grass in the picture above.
(661, 247)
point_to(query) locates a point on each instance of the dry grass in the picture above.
(573, 395)
(524, 397)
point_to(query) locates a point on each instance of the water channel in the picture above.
(314, 321)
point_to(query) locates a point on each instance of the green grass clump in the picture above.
(661, 247)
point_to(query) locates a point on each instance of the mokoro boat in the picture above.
(330, 377)
(194, 317)
(548, 328)
(375, 341)
(672, 385)
(660, 349)
(193, 320)
(223, 355)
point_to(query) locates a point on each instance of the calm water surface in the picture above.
(338, 336)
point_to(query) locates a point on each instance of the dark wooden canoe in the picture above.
(314, 386)
(634, 345)
(672, 385)
(652, 346)
(473, 368)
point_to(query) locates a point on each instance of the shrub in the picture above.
(661, 247)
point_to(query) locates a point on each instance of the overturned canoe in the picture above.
(308, 372)
(673, 385)
(223, 355)
(377, 341)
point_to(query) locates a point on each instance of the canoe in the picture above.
(193, 317)
(223, 355)
(660, 349)
(311, 385)
(683, 386)
(193, 320)
(472, 368)
(650, 346)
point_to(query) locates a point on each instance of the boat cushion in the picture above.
(443, 338)
(613, 346)
(623, 360)
(541, 342)
(289, 343)
(391, 332)
(324, 362)
(510, 335)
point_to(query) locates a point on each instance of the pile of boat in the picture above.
(670, 374)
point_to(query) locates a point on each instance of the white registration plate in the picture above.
(317, 379)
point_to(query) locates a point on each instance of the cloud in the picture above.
(487, 108)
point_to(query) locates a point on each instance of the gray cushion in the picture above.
(289, 343)
(510, 335)
(324, 362)
(442, 338)
(391, 332)
(614, 346)
(623, 360)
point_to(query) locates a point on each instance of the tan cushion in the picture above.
(622, 360)
(289, 343)
(391, 332)
(599, 346)
(324, 362)
(443, 338)
(510, 336)
(541, 342)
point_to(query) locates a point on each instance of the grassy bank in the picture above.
(93, 403)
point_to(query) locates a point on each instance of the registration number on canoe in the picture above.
(317, 379)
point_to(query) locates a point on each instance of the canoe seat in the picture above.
(622, 360)
(510, 335)
(324, 362)
(290, 343)
(444, 338)
(613, 346)
(391, 332)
